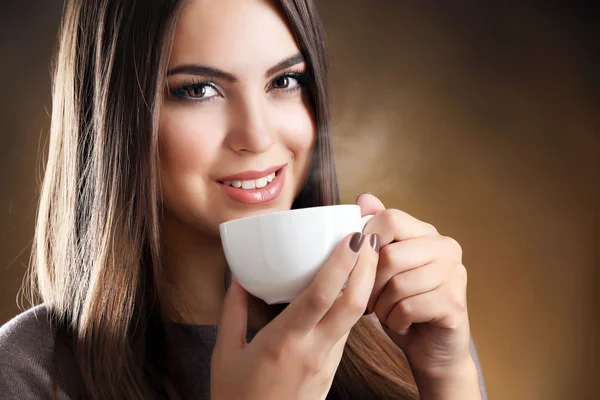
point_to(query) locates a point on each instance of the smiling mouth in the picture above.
(252, 184)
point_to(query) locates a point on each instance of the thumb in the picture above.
(369, 204)
(231, 333)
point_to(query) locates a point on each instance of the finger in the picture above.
(395, 225)
(308, 309)
(350, 306)
(439, 306)
(406, 255)
(409, 283)
(231, 332)
(369, 204)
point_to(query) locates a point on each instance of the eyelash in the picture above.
(181, 91)
(301, 77)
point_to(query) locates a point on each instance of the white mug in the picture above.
(276, 256)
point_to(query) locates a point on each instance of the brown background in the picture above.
(482, 120)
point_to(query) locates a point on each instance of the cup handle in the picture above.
(364, 220)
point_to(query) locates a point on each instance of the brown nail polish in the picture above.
(356, 241)
(375, 242)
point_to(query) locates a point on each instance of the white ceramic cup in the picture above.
(276, 256)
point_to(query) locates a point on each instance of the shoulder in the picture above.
(27, 355)
(26, 337)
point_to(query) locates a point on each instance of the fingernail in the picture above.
(375, 242)
(361, 195)
(356, 241)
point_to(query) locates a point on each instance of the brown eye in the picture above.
(287, 83)
(197, 92)
(281, 83)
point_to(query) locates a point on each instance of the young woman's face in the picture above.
(236, 126)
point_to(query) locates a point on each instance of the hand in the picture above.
(419, 295)
(296, 355)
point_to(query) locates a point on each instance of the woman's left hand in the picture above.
(419, 294)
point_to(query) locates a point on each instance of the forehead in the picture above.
(238, 36)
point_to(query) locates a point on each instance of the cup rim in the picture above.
(293, 211)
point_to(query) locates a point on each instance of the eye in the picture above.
(288, 82)
(285, 82)
(196, 91)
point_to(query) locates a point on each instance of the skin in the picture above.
(415, 284)
(244, 125)
(419, 297)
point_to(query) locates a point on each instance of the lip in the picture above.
(250, 175)
(256, 196)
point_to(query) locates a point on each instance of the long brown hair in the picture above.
(97, 255)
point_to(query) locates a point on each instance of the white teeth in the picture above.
(261, 183)
(252, 184)
(248, 185)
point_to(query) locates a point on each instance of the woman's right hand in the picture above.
(296, 355)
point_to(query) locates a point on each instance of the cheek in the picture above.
(297, 130)
(187, 149)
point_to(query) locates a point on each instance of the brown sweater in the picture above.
(27, 361)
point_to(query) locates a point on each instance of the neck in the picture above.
(196, 273)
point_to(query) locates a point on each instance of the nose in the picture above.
(249, 130)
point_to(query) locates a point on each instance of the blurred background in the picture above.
(482, 119)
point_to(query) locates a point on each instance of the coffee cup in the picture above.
(276, 256)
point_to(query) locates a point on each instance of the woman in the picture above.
(170, 117)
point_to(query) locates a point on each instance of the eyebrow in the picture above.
(210, 72)
(287, 63)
